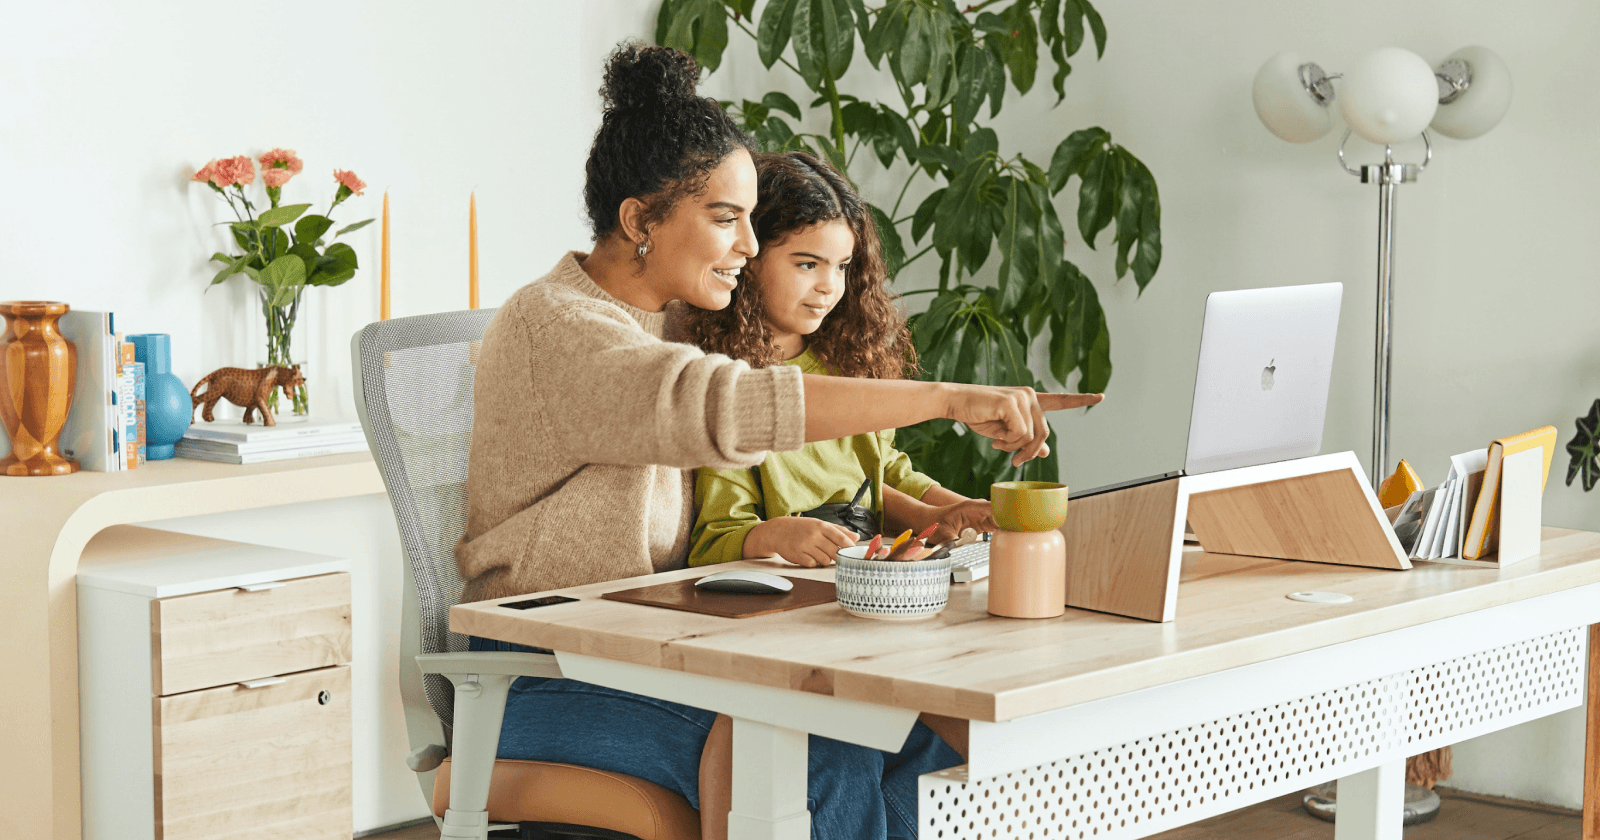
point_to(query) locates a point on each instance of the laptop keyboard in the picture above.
(970, 562)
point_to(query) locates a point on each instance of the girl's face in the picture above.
(697, 251)
(802, 279)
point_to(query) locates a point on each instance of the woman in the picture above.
(588, 425)
(817, 298)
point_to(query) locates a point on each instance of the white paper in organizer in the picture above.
(1521, 505)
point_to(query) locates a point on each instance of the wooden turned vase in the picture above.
(38, 371)
(1028, 555)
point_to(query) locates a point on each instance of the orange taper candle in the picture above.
(383, 300)
(472, 252)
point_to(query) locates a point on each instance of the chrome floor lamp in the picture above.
(1390, 96)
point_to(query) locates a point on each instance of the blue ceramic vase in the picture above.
(167, 408)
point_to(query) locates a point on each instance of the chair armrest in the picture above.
(490, 662)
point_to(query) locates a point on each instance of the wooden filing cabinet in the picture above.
(214, 692)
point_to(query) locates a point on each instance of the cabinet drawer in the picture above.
(216, 638)
(255, 762)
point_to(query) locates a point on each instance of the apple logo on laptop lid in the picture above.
(1267, 373)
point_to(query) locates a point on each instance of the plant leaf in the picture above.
(1074, 154)
(1021, 45)
(923, 218)
(234, 266)
(336, 265)
(281, 215)
(698, 27)
(1585, 459)
(781, 102)
(894, 251)
(1097, 26)
(351, 228)
(286, 271)
(772, 32)
(311, 228)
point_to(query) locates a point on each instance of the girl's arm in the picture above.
(727, 505)
(952, 511)
(729, 525)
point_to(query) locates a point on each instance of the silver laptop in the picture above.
(1260, 389)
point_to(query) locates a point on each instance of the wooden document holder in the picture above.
(1125, 547)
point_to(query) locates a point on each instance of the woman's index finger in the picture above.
(1061, 402)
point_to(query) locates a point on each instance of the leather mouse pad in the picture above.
(682, 595)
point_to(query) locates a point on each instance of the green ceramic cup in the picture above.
(1029, 505)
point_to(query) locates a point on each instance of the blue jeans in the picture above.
(853, 792)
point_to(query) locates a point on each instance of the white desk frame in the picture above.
(1245, 735)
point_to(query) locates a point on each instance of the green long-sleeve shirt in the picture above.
(731, 502)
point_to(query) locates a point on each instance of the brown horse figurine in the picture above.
(246, 388)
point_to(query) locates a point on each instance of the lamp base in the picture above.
(1422, 804)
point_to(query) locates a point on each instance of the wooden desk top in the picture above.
(1232, 611)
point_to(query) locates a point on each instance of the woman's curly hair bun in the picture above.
(640, 77)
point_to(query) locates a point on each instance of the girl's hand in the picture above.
(976, 514)
(800, 540)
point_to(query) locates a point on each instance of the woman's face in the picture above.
(697, 251)
(802, 278)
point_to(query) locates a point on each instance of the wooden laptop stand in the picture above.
(1125, 547)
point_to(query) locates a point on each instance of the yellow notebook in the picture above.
(1481, 535)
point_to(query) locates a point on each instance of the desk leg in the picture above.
(1372, 804)
(769, 783)
(1591, 755)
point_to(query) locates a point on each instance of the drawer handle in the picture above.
(262, 683)
(260, 587)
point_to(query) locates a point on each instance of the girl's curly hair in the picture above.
(864, 335)
(658, 141)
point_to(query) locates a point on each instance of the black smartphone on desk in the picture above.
(538, 602)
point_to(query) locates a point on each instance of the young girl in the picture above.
(815, 297)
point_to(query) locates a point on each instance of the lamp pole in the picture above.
(1387, 176)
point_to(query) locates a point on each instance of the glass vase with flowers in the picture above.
(282, 248)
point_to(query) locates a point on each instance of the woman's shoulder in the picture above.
(562, 296)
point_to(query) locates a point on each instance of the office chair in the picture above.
(413, 386)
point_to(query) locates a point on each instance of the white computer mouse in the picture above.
(745, 581)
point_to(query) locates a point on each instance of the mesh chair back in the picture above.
(415, 383)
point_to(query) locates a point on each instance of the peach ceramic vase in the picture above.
(1028, 555)
(38, 370)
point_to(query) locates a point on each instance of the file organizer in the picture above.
(1125, 547)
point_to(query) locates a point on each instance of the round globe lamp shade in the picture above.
(1284, 105)
(1389, 96)
(1485, 101)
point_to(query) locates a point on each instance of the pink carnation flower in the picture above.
(281, 159)
(240, 171)
(207, 173)
(349, 181)
(275, 178)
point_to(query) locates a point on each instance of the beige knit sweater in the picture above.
(587, 428)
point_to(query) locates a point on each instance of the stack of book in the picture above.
(1459, 519)
(105, 428)
(238, 443)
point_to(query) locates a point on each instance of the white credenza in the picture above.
(214, 691)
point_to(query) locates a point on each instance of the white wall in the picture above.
(109, 107)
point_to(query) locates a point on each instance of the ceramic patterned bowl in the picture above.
(891, 590)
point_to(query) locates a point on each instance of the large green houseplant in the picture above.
(947, 63)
